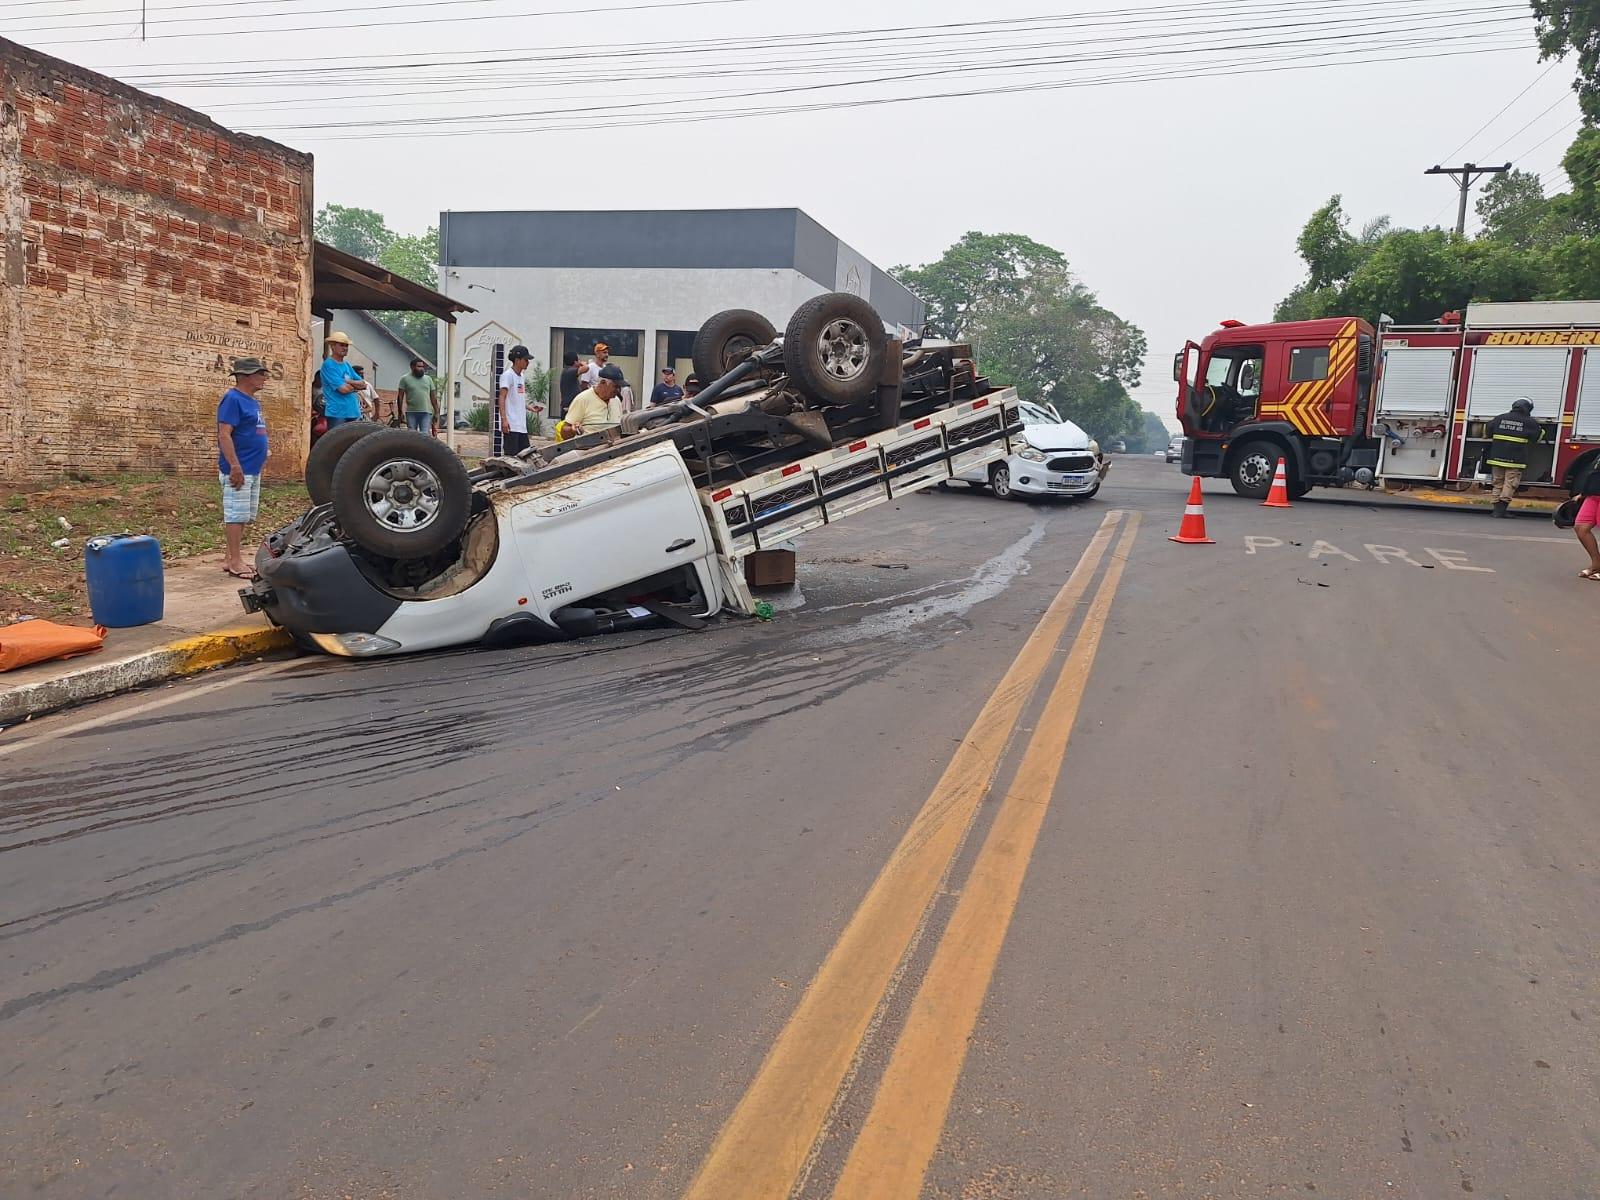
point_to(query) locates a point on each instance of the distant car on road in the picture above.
(1059, 460)
(1175, 449)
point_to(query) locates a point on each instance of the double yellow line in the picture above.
(763, 1150)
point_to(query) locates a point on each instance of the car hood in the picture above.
(1065, 436)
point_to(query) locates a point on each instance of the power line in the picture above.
(1503, 109)
(389, 24)
(965, 68)
(742, 112)
(1266, 10)
(986, 58)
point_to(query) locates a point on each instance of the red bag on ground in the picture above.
(39, 641)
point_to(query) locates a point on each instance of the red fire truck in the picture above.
(1342, 402)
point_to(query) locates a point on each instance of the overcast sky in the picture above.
(1177, 195)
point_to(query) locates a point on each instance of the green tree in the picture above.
(1512, 209)
(1152, 434)
(365, 234)
(980, 270)
(358, 231)
(416, 259)
(1330, 253)
(1573, 27)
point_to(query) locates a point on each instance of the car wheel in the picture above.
(1252, 469)
(1091, 493)
(726, 340)
(401, 494)
(325, 456)
(834, 349)
(1000, 481)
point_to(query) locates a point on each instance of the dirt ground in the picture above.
(42, 579)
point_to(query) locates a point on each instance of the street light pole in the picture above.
(1465, 176)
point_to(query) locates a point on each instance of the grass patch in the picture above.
(184, 515)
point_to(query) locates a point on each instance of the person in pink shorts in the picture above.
(1588, 518)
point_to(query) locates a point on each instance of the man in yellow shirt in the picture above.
(597, 409)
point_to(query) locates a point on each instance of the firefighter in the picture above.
(1510, 435)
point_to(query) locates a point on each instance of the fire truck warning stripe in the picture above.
(762, 1149)
(891, 1155)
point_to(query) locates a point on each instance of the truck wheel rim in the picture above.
(403, 494)
(844, 349)
(1255, 470)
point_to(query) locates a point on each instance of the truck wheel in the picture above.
(1298, 489)
(726, 340)
(1253, 467)
(401, 494)
(834, 347)
(1000, 481)
(325, 456)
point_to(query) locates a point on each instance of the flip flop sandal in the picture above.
(1589, 573)
(250, 575)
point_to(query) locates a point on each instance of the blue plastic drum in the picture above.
(126, 582)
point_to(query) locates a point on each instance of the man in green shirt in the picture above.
(421, 396)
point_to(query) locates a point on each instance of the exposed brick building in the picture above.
(141, 246)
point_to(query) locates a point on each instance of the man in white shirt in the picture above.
(514, 403)
(602, 353)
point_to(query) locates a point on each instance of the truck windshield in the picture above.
(1237, 368)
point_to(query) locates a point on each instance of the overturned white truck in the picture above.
(404, 549)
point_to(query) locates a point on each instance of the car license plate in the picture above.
(1071, 481)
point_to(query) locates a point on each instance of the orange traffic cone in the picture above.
(1192, 532)
(1278, 497)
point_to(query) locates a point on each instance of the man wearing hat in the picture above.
(602, 354)
(342, 388)
(667, 391)
(513, 402)
(597, 409)
(241, 453)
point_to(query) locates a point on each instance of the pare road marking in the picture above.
(1450, 560)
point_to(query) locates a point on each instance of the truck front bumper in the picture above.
(307, 583)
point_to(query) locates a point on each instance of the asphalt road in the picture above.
(1033, 855)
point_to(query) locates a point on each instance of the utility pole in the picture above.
(1465, 176)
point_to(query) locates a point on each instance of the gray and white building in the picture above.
(642, 282)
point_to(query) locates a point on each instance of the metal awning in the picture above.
(341, 280)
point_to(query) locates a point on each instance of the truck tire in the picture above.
(1246, 472)
(726, 340)
(834, 348)
(325, 456)
(401, 494)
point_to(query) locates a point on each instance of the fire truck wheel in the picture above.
(325, 456)
(401, 494)
(726, 340)
(1252, 467)
(834, 348)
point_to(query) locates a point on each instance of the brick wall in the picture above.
(141, 247)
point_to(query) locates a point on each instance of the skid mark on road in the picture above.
(985, 583)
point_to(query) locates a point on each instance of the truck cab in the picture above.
(1249, 395)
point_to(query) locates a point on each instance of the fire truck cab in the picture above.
(1299, 390)
(1343, 403)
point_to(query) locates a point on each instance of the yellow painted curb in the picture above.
(1470, 499)
(223, 646)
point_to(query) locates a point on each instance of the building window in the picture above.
(1307, 363)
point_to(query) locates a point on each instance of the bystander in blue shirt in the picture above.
(341, 406)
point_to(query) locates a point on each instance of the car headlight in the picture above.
(1030, 454)
(354, 645)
